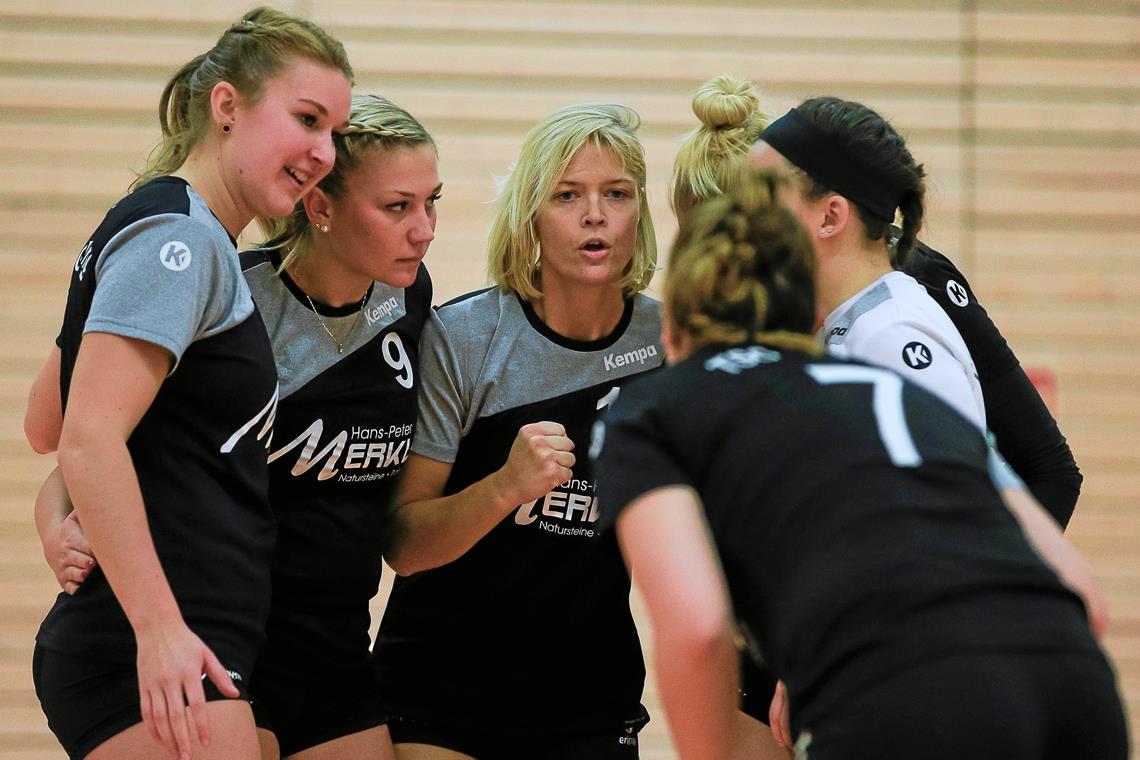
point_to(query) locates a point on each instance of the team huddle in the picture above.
(828, 475)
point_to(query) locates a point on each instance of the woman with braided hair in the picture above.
(901, 581)
(345, 296)
(160, 398)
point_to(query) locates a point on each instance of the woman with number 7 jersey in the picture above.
(856, 522)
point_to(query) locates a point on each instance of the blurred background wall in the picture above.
(1024, 112)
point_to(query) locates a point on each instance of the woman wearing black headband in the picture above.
(818, 140)
(851, 172)
(844, 150)
(708, 164)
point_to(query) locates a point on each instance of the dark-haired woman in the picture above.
(709, 162)
(887, 567)
(850, 174)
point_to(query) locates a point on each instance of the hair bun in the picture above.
(725, 101)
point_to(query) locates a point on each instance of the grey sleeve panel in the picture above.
(444, 400)
(480, 356)
(169, 279)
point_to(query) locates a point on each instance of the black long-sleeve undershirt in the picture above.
(1026, 432)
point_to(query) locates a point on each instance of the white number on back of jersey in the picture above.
(399, 361)
(886, 401)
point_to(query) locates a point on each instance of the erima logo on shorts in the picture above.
(916, 355)
(175, 256)
(957, 294)
(639, 355)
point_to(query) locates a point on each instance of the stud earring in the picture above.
(226, 128)
(323, 227)
(826, 230)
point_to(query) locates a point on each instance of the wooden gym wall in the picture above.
(1024, 112)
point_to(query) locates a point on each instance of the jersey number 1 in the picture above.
(886, 401)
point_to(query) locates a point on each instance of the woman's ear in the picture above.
(224, 101)
(318, 207)
(836, 215)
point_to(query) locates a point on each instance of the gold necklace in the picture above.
(352, 328)
(339, 345)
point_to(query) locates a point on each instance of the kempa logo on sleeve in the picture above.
(175, 255)
(916, 355)
(636, 356)
(957, 294)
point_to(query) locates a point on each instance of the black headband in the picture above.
(818, 155)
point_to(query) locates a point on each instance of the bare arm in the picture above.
(1046, 537)
(114, 383)
(429, 529)
(43, 417)
(687, 599)
(66, 548)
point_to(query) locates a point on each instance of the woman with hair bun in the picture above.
(709, 163)
(160, 397)
(915, 599)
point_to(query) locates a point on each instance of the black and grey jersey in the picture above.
(854, 512)
(162, 269)
(343, 429)
(529, 631)
(1025, 431)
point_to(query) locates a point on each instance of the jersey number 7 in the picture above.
(886, 401)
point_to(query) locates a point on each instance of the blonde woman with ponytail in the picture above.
(160, 398)
(345, 296)
(848, 159)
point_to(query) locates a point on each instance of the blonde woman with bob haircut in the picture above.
(160, 397)
(514, 249)
(509, 633)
